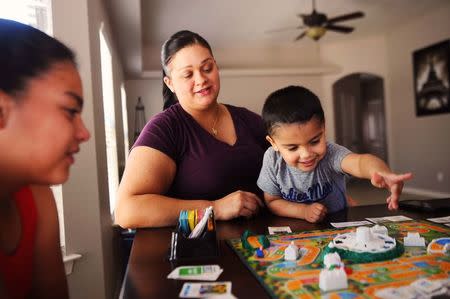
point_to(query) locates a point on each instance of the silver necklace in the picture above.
(213, 129)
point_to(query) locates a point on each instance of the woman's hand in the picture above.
(315, 212)
(239, 203)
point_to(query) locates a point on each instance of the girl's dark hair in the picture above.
(25, 53)
(292, 104)
(175, 43)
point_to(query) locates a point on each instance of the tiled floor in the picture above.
(365, 194)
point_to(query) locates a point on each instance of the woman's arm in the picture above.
(148, 174)
(49, 278)
(281, 207)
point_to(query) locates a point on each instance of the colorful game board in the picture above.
(300, 279)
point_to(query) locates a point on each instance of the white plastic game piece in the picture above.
(414, 239)
(291, 253)
(364, 240)
(330, 280)
(379, 229)
(332, 259)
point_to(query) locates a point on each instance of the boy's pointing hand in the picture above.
(393, 183)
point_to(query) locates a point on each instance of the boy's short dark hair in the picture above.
(292, 104)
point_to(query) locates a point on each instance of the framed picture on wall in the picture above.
(431, 79)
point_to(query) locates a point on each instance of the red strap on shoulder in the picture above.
(17, 269)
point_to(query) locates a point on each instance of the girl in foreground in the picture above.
(40, 132)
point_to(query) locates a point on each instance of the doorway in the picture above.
(360, 121)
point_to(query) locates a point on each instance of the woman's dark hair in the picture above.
(25, 53)
(292, 104)
(175, 43)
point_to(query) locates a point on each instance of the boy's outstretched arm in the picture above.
(310, 212)
(380, 175)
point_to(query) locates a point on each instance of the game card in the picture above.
(350, 223)
(398, 218)
(440, 219)
(206, 289)
(426, 286)
(200, 272)
(279, 230)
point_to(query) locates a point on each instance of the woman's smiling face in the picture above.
(194, 77)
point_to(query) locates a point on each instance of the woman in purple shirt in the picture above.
(197, 152)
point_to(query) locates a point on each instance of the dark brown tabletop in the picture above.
(149, 266)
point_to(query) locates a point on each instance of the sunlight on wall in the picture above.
(110, 121)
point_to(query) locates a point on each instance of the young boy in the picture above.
(303, 176)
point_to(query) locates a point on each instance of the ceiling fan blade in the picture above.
(350, 16)
(302, 15)
(300, 36)
(341, 29)
(284, 29)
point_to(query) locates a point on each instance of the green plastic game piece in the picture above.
(244, 240)
(363, 257)
(265, 243)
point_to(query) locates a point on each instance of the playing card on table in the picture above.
(427, 286)
(206, 289)
(397, 218)
(405, 292)
(350, 223)
(199, 272)
(279, 229)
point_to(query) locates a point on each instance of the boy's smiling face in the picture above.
(301, 145)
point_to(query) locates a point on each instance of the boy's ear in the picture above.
(272, 142)
(168, 82)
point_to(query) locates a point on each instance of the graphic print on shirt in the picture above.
(315, 193)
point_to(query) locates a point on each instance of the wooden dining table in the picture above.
(149, 265)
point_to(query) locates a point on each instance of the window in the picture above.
(110, 120)
(125, 120)
(36, 13)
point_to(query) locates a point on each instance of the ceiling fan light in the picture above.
(316, 32)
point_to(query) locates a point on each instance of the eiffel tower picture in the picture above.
(431, 79)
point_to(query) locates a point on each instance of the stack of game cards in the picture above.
(193, 222)
(207, 290)
(199, 272)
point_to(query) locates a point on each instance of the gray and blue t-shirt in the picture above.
(325, 184)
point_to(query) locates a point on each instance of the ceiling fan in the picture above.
(316, 24)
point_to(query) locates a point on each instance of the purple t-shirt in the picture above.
(208, 168)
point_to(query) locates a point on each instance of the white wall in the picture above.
(354, 56)
(150, 90)
(88, 223)
(252, 91)
(419, 144)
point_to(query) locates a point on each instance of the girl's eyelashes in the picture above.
(72, 112)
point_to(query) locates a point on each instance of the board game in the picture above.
(300, 278)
